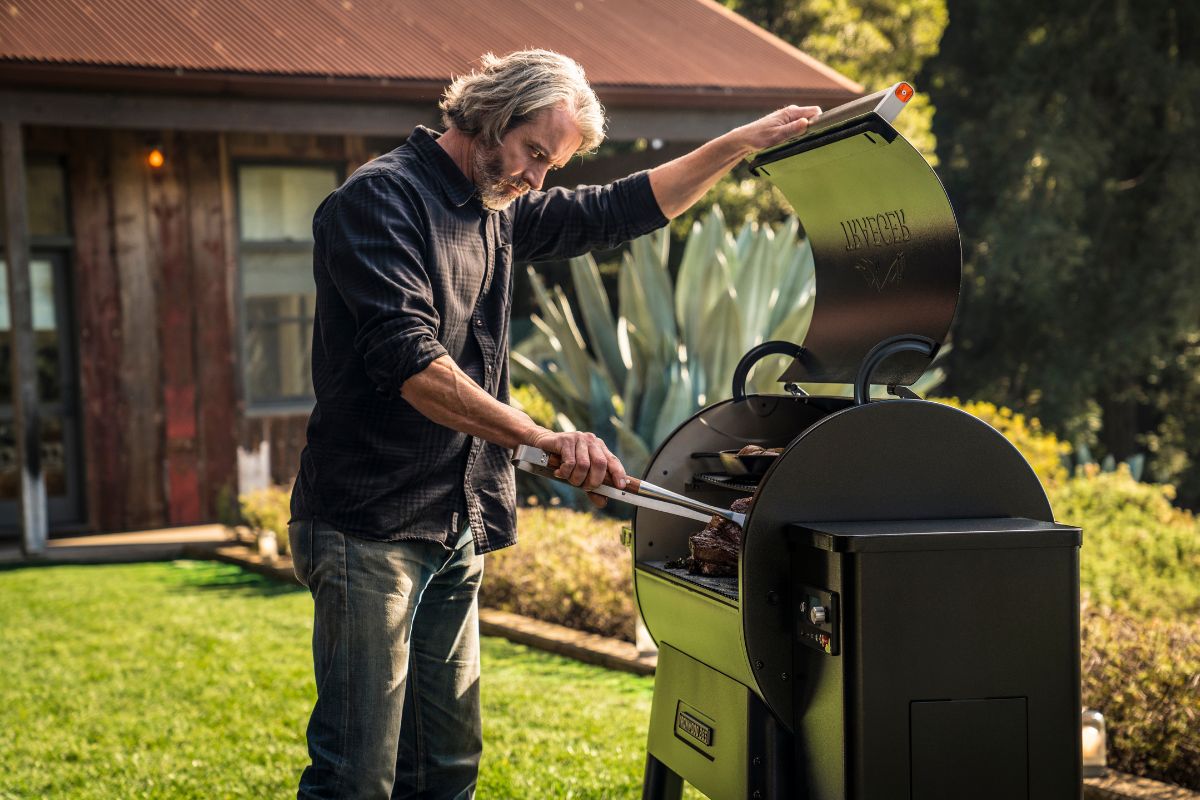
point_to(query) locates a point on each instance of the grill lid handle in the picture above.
(753, 356)
(882, 352)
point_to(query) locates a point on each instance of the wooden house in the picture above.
(161, 163)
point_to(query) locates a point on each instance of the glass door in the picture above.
(57, 394)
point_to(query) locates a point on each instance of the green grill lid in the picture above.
(883, 235)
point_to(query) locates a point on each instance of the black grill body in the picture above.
(956, 674)
(947, 661)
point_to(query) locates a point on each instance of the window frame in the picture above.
(69, 509)
(272, 406)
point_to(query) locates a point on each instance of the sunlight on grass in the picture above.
(193, 679)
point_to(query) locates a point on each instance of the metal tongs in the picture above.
(636, 492)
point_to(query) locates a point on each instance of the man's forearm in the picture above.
(448, 396)
(678, 184)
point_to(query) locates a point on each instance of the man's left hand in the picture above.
(681, 182)
(778, 126)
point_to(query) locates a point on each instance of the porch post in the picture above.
(26, 424)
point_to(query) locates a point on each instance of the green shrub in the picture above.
(1140, 553)
(569, 568)
(1143, 674)
(269, 510)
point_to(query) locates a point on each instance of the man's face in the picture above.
(524, 156)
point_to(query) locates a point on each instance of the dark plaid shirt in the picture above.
(409, 267)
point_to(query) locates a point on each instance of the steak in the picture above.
(714, 550)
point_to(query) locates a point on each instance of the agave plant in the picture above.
(669, 349)
(1082, 458)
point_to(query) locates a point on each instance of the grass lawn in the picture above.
(193, 679)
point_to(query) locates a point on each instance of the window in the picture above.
(49, 362)
(47, 191)
(49, 278)
(276, 205)
(46, 199)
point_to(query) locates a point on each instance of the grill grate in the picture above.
(726, 587)
(738, 483)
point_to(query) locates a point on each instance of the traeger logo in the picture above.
(880, 230)
(686, 723)
(876, 276)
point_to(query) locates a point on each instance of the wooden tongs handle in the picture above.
(632, 484)
(637, 492)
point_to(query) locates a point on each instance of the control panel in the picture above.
(817, 620)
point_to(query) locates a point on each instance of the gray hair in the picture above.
(511, 90)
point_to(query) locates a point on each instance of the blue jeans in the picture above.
(396, 656)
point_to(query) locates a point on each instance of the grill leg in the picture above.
(660, 783)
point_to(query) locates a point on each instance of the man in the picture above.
(406, 482)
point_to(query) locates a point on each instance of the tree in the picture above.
(874, 42)
(1067, 136)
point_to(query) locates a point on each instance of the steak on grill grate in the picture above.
(714, 550)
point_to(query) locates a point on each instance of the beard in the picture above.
(495, 190)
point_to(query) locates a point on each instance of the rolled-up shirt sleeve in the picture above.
(563, 223)
(375, 251)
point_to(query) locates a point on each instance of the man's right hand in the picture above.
(586, 461)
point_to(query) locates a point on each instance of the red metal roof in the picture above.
(688, 45)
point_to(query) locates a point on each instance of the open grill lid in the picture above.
(884, 240)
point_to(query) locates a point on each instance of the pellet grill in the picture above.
(905, 619)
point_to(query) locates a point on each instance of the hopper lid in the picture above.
(884, 240)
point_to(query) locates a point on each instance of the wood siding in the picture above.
(214, 271)
(170, 242)
(155, 281)
(138, 370)
(285, 438)
(98, 320)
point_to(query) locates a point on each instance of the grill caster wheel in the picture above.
(660, 783)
